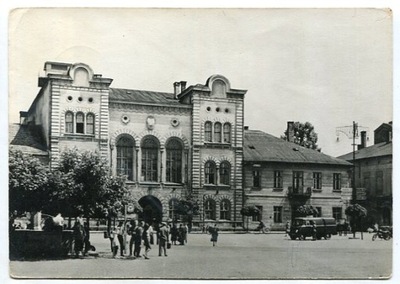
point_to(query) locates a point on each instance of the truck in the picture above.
(315, 227)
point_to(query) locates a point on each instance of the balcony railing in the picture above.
(299, 192)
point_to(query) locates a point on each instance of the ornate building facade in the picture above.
(168, 145)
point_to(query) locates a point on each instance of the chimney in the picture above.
(23, 115)
(183, 86)
(290, 131)
(363, 140)
(177, 89)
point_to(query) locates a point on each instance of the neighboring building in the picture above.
(280, 176)
(189, 142)
(373, 173)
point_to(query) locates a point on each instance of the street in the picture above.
(236, 256)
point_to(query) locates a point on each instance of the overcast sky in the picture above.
(329, 67)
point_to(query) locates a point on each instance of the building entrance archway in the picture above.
(152, 209)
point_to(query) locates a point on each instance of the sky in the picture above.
(329, 67)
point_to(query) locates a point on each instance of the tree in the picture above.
(188, 208)
(306, 210)
(27, 183)
(250, 211)
(303, 135)
(94, 189)
(357, 214)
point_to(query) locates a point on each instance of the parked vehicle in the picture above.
(383, 233)
(317, 228)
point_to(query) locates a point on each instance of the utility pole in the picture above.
(351, 132)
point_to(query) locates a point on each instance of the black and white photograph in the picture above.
(200, 143)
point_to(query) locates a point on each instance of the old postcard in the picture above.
(196, 144)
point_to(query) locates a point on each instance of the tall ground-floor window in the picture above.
(259, 216)
(174, 161)
(210, 209)
(225, 210)
(149, 159)
(173, 203)
(337, 213)
(125, 157)
(277, 214)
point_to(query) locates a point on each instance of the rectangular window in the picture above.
(317, 177)
(337, 185)
(319, 210)
(278, 179)
(277, 214)
(379, 183)
(256, 178)
(337, 213)
(298, 181)
(259, 216)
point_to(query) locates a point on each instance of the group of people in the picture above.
(131, 236)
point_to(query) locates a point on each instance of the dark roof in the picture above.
(27, 139)
(262, 147)
(376, 150)
(139, 96)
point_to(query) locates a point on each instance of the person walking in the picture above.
(120, 236)
(287, 229)
(163, 234)
(146, 240)
(174, 233)
(79, 236)
(138, 239)
(186, 232)
(86, 239)
(181, 235)
(214, 235)
(131, 233)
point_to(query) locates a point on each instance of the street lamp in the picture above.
(351, 132)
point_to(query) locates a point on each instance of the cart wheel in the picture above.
(387, 237)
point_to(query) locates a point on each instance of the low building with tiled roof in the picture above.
(373, 174)
(280, 176)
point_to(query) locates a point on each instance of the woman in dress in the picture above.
(214, 235)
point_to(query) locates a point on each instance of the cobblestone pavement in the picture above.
(247, 256)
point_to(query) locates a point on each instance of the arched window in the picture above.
(174, 161)
(80, 123)
(149, 159)
(227, 133)
(69, 122)
(125, 157)
(90, 123)
(210, 174)
(210, 209)
(208, 131)
(217, 132)
(225, 210)
(172, 204)
(224, 173)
